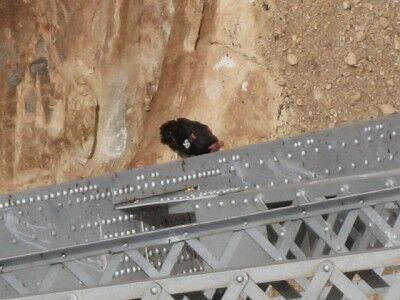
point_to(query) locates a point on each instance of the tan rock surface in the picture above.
(118, 69)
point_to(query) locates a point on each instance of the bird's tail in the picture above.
(168, 132)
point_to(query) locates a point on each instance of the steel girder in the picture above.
(353, 275)
(249, 207)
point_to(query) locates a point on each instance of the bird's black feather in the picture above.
(187, 137)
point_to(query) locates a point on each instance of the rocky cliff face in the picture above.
(85, 85)
(77, 79)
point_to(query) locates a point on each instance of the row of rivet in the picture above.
(155, 174)
(235, 157)
(330, 147)
(84, 199)
(39, 198)
(89, 225)
(157, 251)
(143, 177)
(222, 160)
(199, 175)
(369, 128)
(120, 218)
(232, 202)
(193, 270)
(118, 234)
(304, 152)
(152, 227)
(127, 271)
(174, 180)
(48, 196)
(140, 177)
(126, 190)
(366, 129)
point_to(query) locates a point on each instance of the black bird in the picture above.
(189, 138)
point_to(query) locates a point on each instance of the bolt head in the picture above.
(240, 279)
(326, 268)
(154, 290)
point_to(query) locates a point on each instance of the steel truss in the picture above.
(227, 216)
(354, 276)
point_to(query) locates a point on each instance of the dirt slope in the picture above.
(253, 70)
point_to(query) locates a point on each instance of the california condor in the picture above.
(189, 138)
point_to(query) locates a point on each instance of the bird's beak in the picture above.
(216, 146)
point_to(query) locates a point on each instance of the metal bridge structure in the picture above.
(309, 217)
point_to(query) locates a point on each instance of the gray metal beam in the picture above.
(272, 273)
(186, 232)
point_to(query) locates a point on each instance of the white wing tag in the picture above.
(186, 144)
